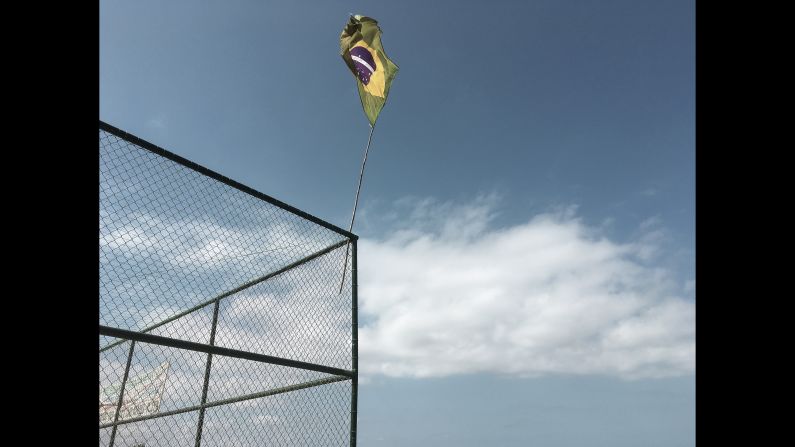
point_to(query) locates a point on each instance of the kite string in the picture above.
(355, 204)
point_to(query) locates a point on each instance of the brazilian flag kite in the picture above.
(360, 48)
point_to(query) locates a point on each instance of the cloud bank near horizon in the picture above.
(446, 293)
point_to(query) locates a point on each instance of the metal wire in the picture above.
(220, 313)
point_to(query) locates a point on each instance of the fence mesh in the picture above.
(221, 316)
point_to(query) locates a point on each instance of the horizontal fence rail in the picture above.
(209, 349)
(212, 174)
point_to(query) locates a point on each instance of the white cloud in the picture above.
(649, 192)
(157, 122)
(203, 244)
(446, 294)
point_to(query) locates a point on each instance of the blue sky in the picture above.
(563, 128)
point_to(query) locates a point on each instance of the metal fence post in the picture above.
(121, 394)
(354, 344)
(207, 376)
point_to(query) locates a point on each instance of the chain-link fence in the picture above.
(222, 321)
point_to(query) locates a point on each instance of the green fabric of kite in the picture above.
(360, 48)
